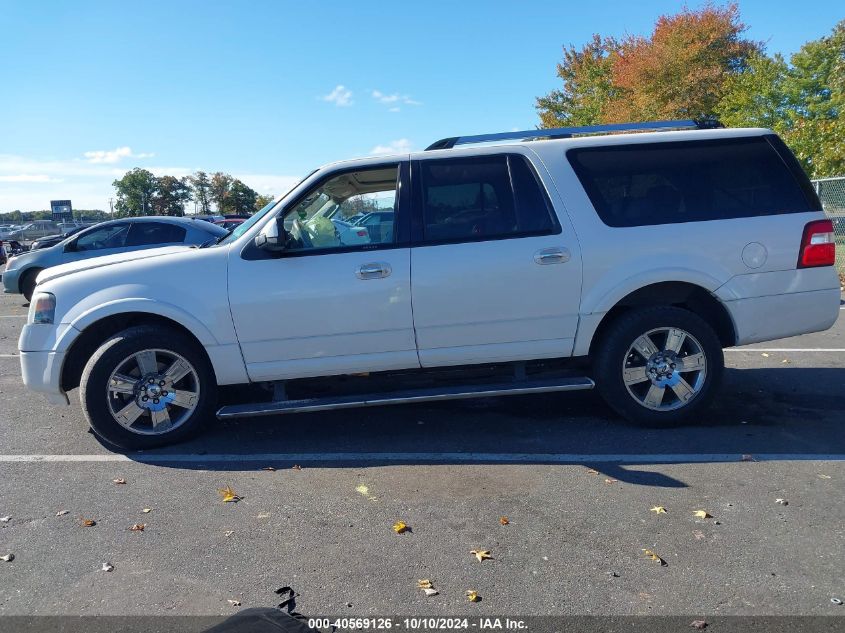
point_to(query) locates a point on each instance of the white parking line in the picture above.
(785, 349)
(12, 316)
(509, 458)
(9, 356)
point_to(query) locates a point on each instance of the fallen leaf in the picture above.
(263, 515)
(747, 458)
(764, 354)
(653, 556)
(61, 513)
(107, 567)
(5, 519)
(698, 534)
(138, 527)
(658, 510)
(782, 502)
(698, 624)
(88, 522)
(785, 361)
(400, 527)
(823, 476)
(269, 469)
(118, 481)
(234, 603)
(610, 480)
(504, 520)
(425, 583)
(229, 495)
(229, 532)
(592, 471)
(472, 595)
(429, 591)
(8, 558)
(702, 514)
(147, 510)
(296, 467)
(481, 554)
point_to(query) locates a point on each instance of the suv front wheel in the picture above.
(658, 365)
(148, 386)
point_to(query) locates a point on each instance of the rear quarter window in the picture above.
(691, 181)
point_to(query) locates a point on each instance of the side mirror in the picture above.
(273, 237)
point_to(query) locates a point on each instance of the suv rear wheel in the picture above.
(148, 386)
(658, 365)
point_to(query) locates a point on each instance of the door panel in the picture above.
(312, 316)
(490, 301)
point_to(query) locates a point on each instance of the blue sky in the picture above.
(267, 90)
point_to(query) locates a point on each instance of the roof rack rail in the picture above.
(569, 132)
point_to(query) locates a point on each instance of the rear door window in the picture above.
(148, 233)
(689, 181)
(482, 197)
(110, 236)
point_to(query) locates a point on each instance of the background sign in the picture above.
(62, 210)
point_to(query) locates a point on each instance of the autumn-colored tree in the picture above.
(587, 76)
(680, 71)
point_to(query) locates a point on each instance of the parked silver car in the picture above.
(106, 238)
(34, 230)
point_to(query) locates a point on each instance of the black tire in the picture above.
(107, 359)
(611, 355)
(27, 283)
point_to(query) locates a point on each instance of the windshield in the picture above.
(257, 216)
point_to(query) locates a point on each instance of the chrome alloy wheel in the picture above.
(153, 392)
(664, 368)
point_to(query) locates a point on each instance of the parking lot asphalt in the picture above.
(576, 484)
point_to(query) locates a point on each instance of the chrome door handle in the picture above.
(374, 270)
(553, 255)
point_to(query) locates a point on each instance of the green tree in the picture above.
(755, 96)
(815, 91)
(262, 201)
(135, 192)
(171, 195)
(219, 190)
(241, 198)
(201, 189)
(587, 76)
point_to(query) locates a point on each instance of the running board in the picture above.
(409, 396)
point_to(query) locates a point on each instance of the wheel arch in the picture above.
(100, 330)
(680, 294)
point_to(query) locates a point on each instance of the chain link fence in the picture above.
(832, 194)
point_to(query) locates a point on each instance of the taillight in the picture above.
(817, 245)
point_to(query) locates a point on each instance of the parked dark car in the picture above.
(52, 240)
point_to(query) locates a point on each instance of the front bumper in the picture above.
(42, 372)
(10, 281)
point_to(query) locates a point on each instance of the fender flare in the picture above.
(149, 306)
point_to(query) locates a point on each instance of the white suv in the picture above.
(499, 269)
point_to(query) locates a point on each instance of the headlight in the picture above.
(42, 308)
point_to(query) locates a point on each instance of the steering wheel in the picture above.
(302, 233)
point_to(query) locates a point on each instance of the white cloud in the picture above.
(110, 156)
(395, 109)
(269, 184)
(394, 98)
(29, 178)
(399, 146)
(340, 96)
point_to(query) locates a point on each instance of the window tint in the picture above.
(329, 216)
(146, 233)
(112, 236)
(473, 199)
(689, 181)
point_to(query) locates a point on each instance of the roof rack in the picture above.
(569, 132)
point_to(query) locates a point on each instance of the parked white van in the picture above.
(519, 266)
